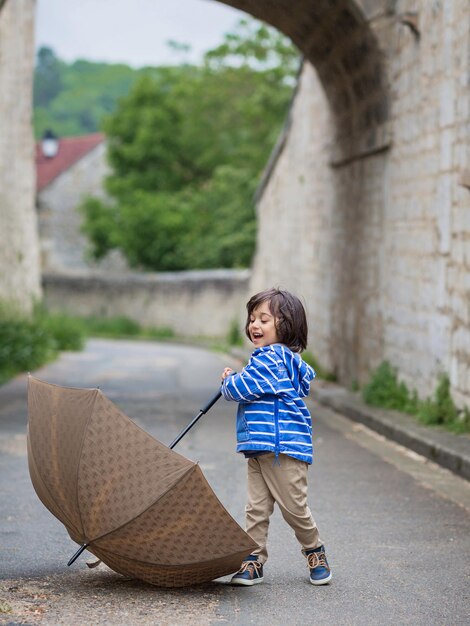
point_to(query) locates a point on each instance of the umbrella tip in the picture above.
(81, 549)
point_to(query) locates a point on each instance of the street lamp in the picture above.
(49, 144)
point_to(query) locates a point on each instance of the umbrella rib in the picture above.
(97, 392)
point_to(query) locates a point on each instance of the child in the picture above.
(274, 430)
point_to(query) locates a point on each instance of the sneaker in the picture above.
(320, 573)
(250, 572)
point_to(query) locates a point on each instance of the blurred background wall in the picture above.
(19, 250)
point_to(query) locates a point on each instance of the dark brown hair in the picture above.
(289, 313)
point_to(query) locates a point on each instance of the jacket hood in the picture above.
(297, 370)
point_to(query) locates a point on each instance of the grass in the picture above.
(385, 390)
(28, 342)
(122, 328)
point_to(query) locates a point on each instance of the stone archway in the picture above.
(336, 37)
(320, 221)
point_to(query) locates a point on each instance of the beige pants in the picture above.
(286, 484)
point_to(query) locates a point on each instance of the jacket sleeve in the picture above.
(258, 378)
(305, 378)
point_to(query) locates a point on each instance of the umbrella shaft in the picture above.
(202, 412)
(188, 427)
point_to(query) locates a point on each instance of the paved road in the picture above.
(399, 547)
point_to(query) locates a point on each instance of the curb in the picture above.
(444, 448)
(438, 445)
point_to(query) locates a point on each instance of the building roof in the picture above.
(71, 150)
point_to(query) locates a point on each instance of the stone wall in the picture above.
(19, 275)
(192, 304)
(378, 243)
(426, 293)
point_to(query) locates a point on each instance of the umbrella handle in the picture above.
(202, 412)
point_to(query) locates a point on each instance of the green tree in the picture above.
(72, 99)
(187, 147)
(47, 77)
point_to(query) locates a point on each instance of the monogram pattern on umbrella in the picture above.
(123, 470)
(58, 417)
(181, 528)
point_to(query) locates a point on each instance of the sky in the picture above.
(134, 32)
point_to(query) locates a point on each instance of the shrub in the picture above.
(111, 326)
(68, 332)
(386, 391)
(157, 333)
(234, 336)
(25, 343)
(120, 327)
(441, 409)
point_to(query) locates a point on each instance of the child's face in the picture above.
(262, 326)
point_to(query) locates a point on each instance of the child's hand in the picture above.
(227, 372)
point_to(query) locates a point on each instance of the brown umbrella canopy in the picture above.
(143, 509)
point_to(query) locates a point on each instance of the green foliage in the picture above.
(48, 82)
(257, 46)
(223, 228)
(72, 99)
(309, 358)
(234, 336)
(187, 147)
(386, 391)
(110, 326)
(24, 345)
(159, 334)
(440, 409)
(67, 332)
(98, 225)
(28, 342)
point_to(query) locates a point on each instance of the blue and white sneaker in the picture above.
(320, 573)
(250, 572)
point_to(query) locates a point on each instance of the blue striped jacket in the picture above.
(271, 415)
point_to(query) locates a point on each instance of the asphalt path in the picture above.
(399, 547)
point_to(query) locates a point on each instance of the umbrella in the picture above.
(141, 508)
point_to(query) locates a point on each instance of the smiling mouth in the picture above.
(257, 336)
